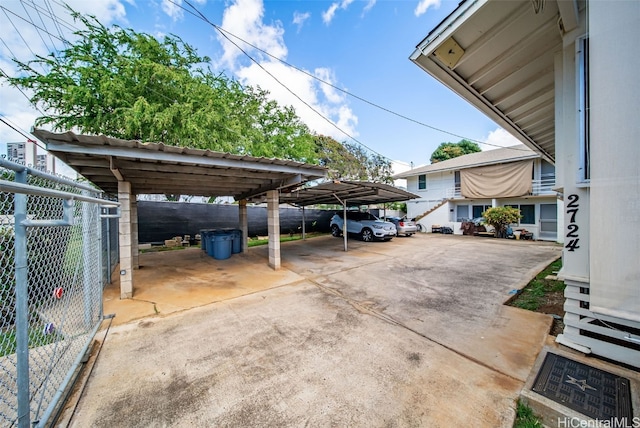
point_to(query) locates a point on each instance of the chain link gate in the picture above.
(52, 272)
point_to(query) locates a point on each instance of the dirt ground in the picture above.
(550, 302)
(554, 305)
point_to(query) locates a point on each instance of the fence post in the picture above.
(85, 260)
(108, 226)
(22, 303)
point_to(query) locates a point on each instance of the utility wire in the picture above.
(205, 19)
(32, 23)
(5, 120)
(28, 22)
(23, 93)
(226, 35)
(45, 26)
(52, 16)
(402, 116)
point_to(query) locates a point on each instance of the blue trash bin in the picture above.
(221, 246)
(236, 244)
(211, 244)
(204, 236)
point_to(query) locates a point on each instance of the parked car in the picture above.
(404, 226)
(366, 225)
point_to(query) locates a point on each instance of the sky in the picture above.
(343, 65)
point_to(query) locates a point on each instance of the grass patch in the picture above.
(8, 343)
(161, 248)
(253, 242)
(525, 418)
(534, 295)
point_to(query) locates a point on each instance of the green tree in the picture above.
(348, 161)
(130, 85)
(453, 150)
(500, 218)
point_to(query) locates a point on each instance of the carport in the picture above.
(347, 194)
(129, 168)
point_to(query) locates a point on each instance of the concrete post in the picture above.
(273, 225)
(30, 154)
(134, 232)
(51, 163)
(124, 234)
(243, 219)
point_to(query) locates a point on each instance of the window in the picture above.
(528, 213)
(462, 212)
(422, 181)
(582, 47)
(479, 209)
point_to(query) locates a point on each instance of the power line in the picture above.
(282, 84)
(205, 19)
(22, 92)
(402, 116)
(226, 35)
(28, 22)
(53, 17)
(23, 133)
(31, 20)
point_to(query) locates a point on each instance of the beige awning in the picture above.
(497, 181)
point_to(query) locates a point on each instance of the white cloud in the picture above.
(173, 9)
(499, 138)
(369, 6)
(326, 75)
(316, 106)
(329, 14)
(300, 18)
(424, 5)
(244, 18)
(22, 41)
(107, 11)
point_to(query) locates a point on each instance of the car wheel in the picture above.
(367, 235)
(335, 231)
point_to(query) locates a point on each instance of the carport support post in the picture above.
(273, 226)
(124, 235)
(345, 232)
(243, 219)
(134, 232)
(304, 231)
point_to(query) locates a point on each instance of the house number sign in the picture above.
(572, 227)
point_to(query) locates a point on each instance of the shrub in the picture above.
(500, 218)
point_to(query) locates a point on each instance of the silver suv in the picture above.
(367, 226)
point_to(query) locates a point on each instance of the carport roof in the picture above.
(156, 168)
(350, 192)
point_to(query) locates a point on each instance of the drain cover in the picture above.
(585, 389)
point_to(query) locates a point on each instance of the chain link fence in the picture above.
(57, 249)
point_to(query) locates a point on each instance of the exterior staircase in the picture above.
(426, 213)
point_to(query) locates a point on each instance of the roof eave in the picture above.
(424, 56)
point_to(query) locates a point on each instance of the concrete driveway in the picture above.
(411, 332)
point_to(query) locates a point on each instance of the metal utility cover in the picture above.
(593, 392)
